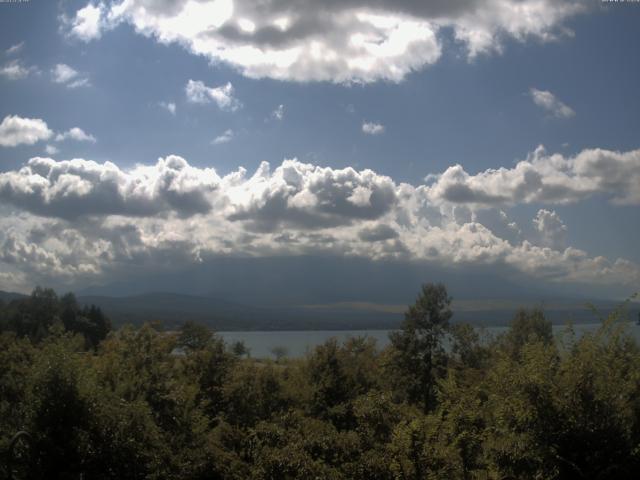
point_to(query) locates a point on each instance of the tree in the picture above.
(98, 325)
(466, 347)
(527, 326)
(57, 413)
(34, 316)
(417, 355)
(328, 379)
(194, 336)
(240, 349)
(252, 392)
(279, 352)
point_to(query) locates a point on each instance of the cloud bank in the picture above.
(546, 179)
(338, 41)
(79, 219)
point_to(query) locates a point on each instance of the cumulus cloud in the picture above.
(226, 137)
(17, 70)
(169, 107)
(551, 230)
(15, 130)
(198, 92)
(343, 42)
(546, 179)
(63, 73)
(77, 134)
(549, 102)
(68, 76)
(310, 197)
(371, 128)
(75, 188)
(88, 22)
(83, 218)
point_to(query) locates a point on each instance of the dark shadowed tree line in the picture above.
(36, 316)
(139, 403)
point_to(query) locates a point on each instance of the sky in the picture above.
(143, 138)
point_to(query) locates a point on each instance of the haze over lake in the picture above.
(299, 343)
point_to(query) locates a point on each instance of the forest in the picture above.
(442, 401)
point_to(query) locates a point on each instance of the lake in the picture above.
(299, 342)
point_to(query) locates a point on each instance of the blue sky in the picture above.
(478, 87)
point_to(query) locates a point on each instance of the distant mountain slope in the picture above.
(302, 280)
(171, 309)
(8, 296)
(174, 309)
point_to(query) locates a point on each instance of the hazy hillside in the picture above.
(173, 309)
(8, 296)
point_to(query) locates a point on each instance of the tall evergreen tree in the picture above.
(418, 357)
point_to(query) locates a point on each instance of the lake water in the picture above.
(298, 343)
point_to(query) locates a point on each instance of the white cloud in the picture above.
(371, 128)
(226, 137)
(77, 134)
(87, 23)
(169, 107)
(377, 233)
(16, 70)
(342, 42)
(64, 74)
(198, 92)
(546, 179)
(14, 49)
(15, 130)
(78, 217)
(50, 149)
(278, 113)
(309, 197)
(551, 230)
(74, 188)
(549, 102)
(80, 82)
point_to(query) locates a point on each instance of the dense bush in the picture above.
(146, 404)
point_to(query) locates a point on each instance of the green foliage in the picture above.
(418, 359)
(35, 316)
(239, 349)
(279, 353)
(252, 393)
(466, 348)
(147, 404)
(194, 336)
(339, 374)
(527, 326)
